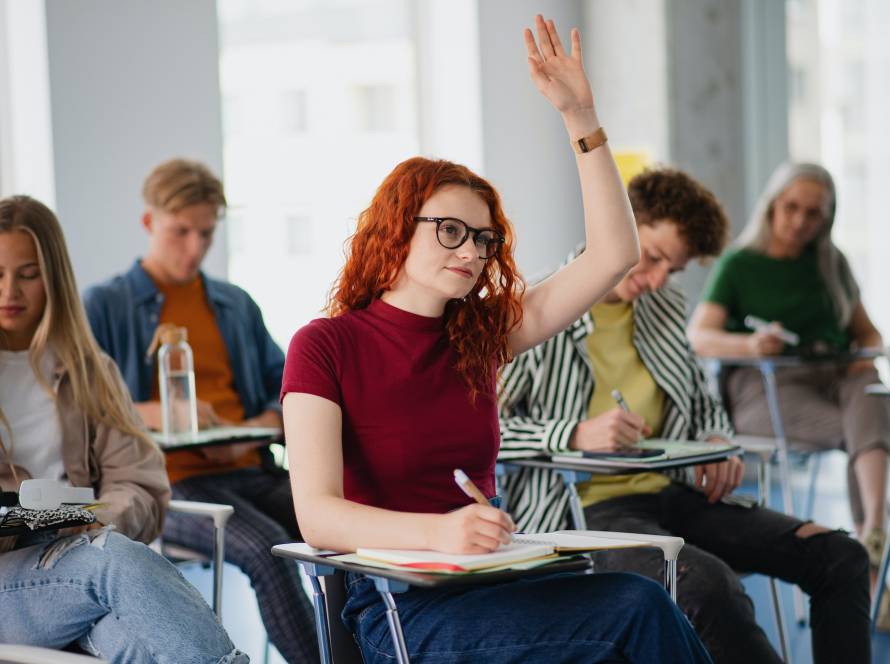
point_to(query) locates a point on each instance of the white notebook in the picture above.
(523, 548)
(453, 562)
(569, 543)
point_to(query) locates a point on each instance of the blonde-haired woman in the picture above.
(786, 269)
(65, 415)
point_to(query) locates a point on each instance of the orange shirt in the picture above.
(187, 306)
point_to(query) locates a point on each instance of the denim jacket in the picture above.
(124, 312)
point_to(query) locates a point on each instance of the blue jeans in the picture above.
(113, 597)
(555, 618)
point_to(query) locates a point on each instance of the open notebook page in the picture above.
(567, 543)
(433, 560)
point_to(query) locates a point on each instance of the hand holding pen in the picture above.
(612, 431)
(476, 528)
(768, 338)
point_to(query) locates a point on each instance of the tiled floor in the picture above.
(241, 618)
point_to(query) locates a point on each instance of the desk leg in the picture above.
(768, 371)
(763, 480)
(395, 627)
(570, 478)
(882, 585)
(575, 507)
(219, 545)
(321, 624)
(319, 603)
(670, 578)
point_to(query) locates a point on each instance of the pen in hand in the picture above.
(619, 399)
(466, 485)
(760, 325)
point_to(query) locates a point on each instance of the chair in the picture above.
(767, 365)
(337, 646)
(220, 515)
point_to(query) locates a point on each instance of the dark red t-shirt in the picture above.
(408, 421)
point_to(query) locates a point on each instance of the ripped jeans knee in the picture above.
(834, 558)
(56, 549)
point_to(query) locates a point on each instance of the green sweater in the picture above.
(790, 291)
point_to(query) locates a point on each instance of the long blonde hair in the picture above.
(63, 326)
(833, 266)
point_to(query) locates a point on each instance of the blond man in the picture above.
(238, 371)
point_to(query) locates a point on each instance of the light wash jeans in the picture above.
(113, 597)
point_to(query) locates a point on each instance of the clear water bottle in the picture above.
(176, 377)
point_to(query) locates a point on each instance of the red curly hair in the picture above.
(479, 324)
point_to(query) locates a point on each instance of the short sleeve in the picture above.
(719, 287)
(313, 362)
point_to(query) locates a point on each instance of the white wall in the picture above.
(626, 59)
(131, 83)
(526, 150)
(449, 99)
(26, 152)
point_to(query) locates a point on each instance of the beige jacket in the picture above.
(126, 472)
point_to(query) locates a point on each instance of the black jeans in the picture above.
(722, 540)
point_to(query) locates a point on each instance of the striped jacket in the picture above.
(546, 391)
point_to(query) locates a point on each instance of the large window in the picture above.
(839, 56)
(319, 104)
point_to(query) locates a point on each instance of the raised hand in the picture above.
(559, 76)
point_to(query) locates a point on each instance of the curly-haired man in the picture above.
(557, 397)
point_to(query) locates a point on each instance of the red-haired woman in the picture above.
(397, 388)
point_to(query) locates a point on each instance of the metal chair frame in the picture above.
(220, 515)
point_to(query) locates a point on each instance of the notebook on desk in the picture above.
(217, 435)
(538, 548)
(672, 451)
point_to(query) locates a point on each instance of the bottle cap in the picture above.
(166, 333)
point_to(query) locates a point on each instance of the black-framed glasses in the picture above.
(452, 233)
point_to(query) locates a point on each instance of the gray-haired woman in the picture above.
(786, 269)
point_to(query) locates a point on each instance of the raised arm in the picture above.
(610, 231)
(313, 428)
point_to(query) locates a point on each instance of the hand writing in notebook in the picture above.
(476, 528)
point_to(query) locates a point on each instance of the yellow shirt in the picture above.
(617, 365)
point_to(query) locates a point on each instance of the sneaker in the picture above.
(874, 545)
